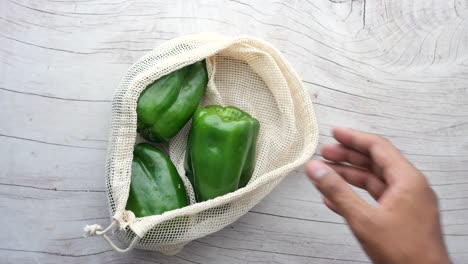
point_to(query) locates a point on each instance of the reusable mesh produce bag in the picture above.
(243, 71)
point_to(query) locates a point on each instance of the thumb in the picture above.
(335, 189)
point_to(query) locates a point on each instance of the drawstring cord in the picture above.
(96, 230)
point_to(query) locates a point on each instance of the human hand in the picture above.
(404, 227)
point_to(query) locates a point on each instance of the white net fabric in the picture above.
(244, 72)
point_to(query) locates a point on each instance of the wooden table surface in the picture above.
(396, 68)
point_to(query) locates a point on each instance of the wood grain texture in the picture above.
(396, 68)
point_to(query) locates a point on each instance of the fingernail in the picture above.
(319, 171)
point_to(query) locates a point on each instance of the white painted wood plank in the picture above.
(396, 68)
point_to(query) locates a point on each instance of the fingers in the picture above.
(339, 153)
(383, 154)
(330, 205)
(368, 144)
(361, 178)
(335, 189)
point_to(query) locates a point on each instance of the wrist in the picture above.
(435, 257)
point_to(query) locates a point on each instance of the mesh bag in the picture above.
(243, 71)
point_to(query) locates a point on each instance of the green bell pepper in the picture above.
(155, 186)
(220, 155)
(166, 105)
